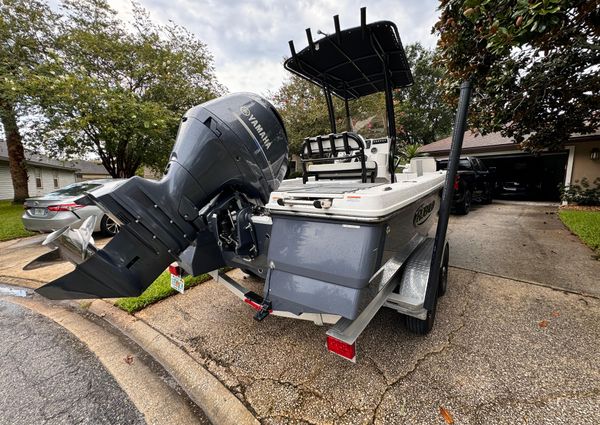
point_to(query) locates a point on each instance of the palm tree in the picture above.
(408, 152)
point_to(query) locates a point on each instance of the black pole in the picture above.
(348, 118)
(391, 119)
(458, 135)
(330, 109)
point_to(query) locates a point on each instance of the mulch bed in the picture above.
(580, 207)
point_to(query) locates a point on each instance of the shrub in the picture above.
(581, 192)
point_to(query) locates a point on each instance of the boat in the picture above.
(351, 235)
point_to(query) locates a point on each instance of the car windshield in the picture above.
(75, 189)
(463, 164)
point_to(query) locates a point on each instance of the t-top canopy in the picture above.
(352, 63)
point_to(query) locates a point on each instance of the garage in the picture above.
(528, 177)
(524, 176)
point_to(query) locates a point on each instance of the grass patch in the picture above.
(585, 224)
(11, 226)
(160, 289)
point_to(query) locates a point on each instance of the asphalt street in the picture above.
(50, 377)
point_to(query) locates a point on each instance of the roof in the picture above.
(90, 167)
(349, 63)
(472, 142)
(475, 142)
(32, 158)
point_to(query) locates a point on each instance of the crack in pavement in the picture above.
(451, 335)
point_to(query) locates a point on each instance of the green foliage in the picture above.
(585, 224)
(27, 30)
(533, 64)
(303, 109)
(582, 192)
(118, 91)
(11, 226)
(158, 290)
(422, 114)
(408, 152)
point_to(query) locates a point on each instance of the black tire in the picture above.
(487, 197)
(443, 283)
(108, 226)
(465, 205)
(421, 327)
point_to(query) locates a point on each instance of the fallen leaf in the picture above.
(543, 324)
(555, 313)
(446, 415)
(128, 359)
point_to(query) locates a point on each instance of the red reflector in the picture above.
(456, 179)
(174, 269)
(252, 304)
(347, 351)
(64, 207)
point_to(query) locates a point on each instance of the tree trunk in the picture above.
(16, 153)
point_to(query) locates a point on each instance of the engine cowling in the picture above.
(235, 144)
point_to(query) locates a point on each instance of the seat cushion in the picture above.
(341, 166)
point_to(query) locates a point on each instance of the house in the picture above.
(89, 170)
(541, 173)
(46, 174)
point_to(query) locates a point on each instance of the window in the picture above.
(55, 179)
(37, 172)
(75, 189)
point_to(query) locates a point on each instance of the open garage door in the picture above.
(528, 177)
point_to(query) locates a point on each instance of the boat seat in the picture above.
(336, 156)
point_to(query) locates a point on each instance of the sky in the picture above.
(249, 39)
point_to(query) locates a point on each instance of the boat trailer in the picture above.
(335, 246)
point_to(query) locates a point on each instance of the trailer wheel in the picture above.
(421, 327)
(443, 285)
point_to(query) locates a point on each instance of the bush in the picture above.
(581, 192)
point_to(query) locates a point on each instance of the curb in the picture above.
(218, 403)
(156, 399)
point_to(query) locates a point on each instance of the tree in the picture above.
(304, 111)
(26, 34)
(120, 93)
(534, 65)
(421, 111)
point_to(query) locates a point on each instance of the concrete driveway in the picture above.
(525, 242)
(506, 349)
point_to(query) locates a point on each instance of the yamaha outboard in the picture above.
(230, 154)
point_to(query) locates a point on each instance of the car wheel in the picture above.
(487, 197)
(108, 226)
(465, 206)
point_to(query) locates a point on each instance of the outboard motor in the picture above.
(230, 154)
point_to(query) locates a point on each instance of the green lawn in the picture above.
(160, 289)
(11, 226)
(585, 224)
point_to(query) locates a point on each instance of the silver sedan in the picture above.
(58, 209)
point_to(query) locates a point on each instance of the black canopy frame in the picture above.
(354, 63)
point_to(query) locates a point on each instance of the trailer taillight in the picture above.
(341, 348)
(174, 269)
